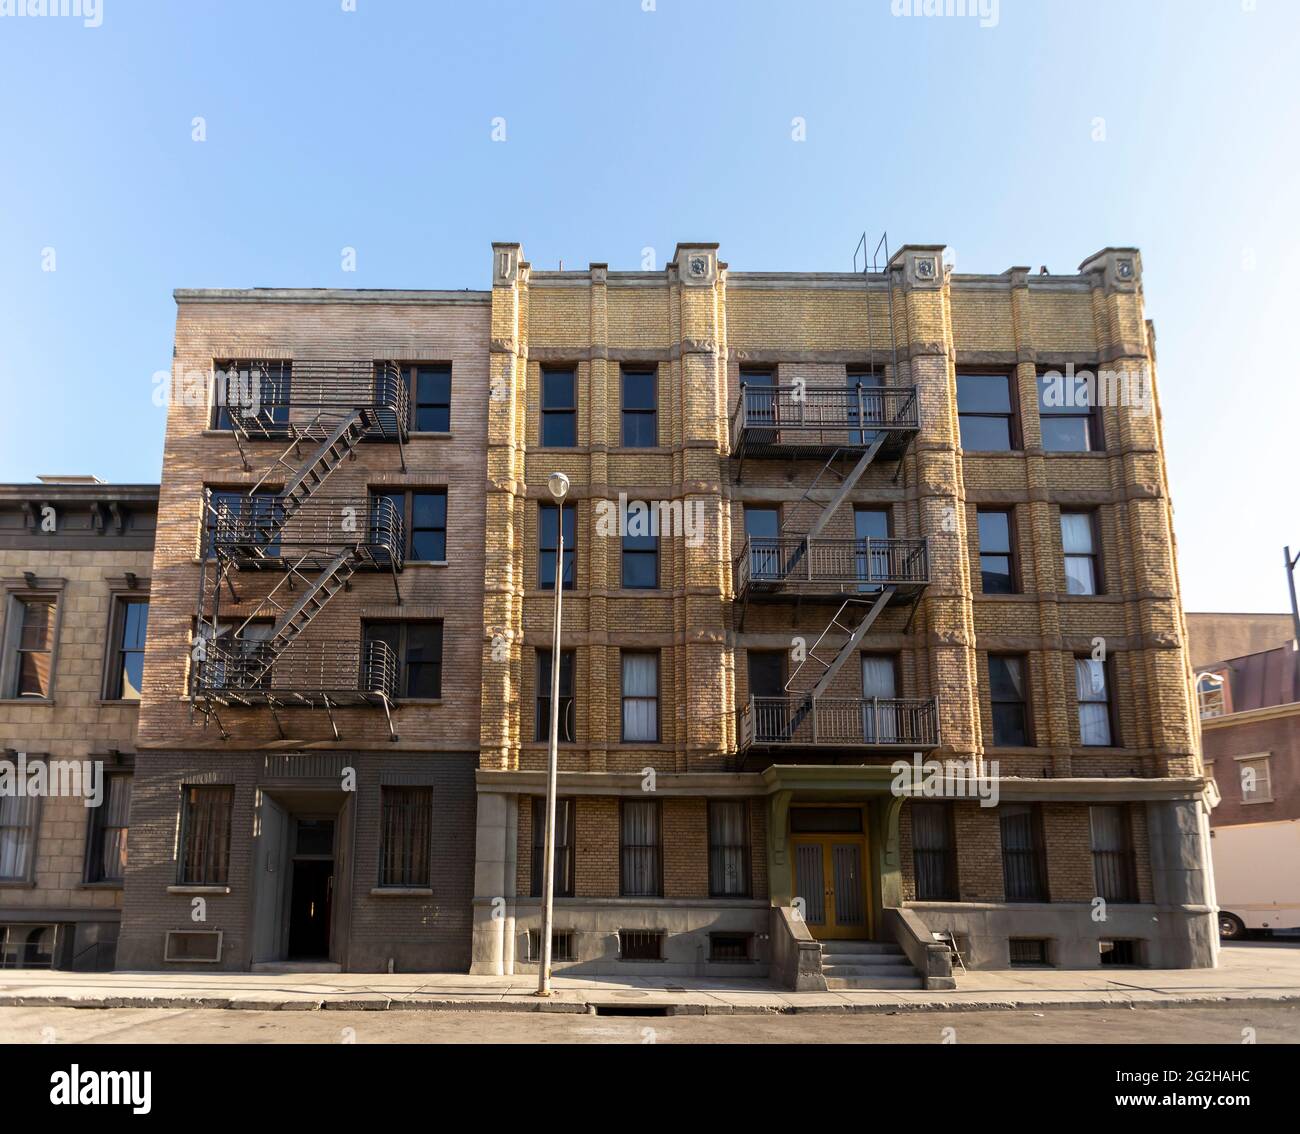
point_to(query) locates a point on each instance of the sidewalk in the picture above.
(1251, 971)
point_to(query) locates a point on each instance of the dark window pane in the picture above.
(640, 430)
(640, 569)
(638, 391)
(995, 531)
(559, 430)
(762, 522)
(1009, 725)
(429, 545)
(429, 510)
(1006, 679)
(871, 523)
(1066, 434)
(985, 434)
(983, 393)
(433, 386)
(995, 575)
(557, 389)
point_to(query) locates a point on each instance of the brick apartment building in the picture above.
(309, 726)
(905, 544)
(75, 557)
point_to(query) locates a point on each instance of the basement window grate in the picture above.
(729, 947)
(1028, 951)
(561, 945)
(641, 944)
(193, 945)
(1118, 952)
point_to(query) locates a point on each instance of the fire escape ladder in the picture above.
(338, 444)
(842, 623)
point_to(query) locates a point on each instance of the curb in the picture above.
(596, 1006)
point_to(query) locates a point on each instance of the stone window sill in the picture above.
(206, 890)
(401, 892)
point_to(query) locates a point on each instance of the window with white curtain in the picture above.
(640, 697)
(109, 826)
(1078, 541)
(18, 816)
(640, 864)
(880, 722)
(728, 848)
(1256, 782)
(1092, 691)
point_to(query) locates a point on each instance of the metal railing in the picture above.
(263, 528)
(795, 563)
(810, 415)
(840, 722)
(343, 668)
(306, 397)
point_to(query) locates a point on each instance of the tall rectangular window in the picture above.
(126, 662)
(564, 811)
(1113, 867)
(205, 834)
(1009, 701)
(640, 697)
(18, 817)
(763, 529)
(934, 852)
(997, 551)
(640, 414)
(985, 412)
(1092, 692)
(568, 725)
(1024, 866)
(559, 409)
(548, 541)
(431, 398)
(251, 519)
(416, 648)
(1066, 413)
(640, 864)
(1079, 543)
(259, 390)
(109, 824)
(29, 650)
(728, 848)
(640, 562)
(405, 836)
(422, 516)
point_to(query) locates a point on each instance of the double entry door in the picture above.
(829, 850)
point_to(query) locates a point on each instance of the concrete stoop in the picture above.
(867, 965)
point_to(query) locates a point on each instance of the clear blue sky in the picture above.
(629, 129)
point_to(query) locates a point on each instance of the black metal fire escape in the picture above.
(854, 426)
(316, 542)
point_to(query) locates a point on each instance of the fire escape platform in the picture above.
(790, 569)
(811, 422)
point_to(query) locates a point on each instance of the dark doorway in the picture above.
(309, 909)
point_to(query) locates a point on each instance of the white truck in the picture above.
(1257, 876)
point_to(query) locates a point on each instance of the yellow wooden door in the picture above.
(830, 877)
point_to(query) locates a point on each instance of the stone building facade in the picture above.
(888, 536)
(75, 557)
(309, 727)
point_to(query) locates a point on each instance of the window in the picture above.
(261, 388)
(640, 417)
(109, 822)
(423, 514)
(728, 848)
(1024, 869)
(640, 697)
(405, 836)
(1119, 952)
(934, 852)
(1026, 951)
(984, 412)
(430, 398)
(1008, 701)
(1212, 695)
(1113, 869)
(562, 945)
(559, 409)
(729, 948)
(126, 664)
(640, 866)
(880, 715)
(1065, 413)
(417, 646)
(640, 562)
(1256, 780)
(18, 816)
(872, 406)
(763, 528)
(568, 731)
(997, 552)
(250, 518)
(1092, 691)
(547, 543)
(563, 846)
(640, 945)
(871, 561)
(29, 660)
(1079, 542)
(205, 835)
(228, 664)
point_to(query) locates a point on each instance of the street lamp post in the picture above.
(558, 484)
